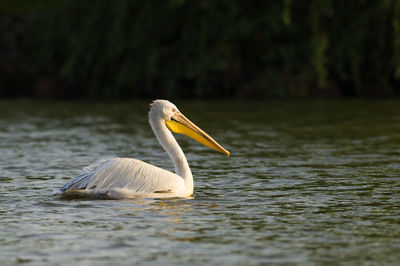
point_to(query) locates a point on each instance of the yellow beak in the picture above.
(180, 124)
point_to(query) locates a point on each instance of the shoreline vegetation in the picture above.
(199, 49)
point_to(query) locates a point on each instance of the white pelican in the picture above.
(121, 178)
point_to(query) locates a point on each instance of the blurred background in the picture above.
(199, 49)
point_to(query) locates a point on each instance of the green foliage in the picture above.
(207, 48)
(396, 38)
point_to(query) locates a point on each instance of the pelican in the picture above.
(122, 178)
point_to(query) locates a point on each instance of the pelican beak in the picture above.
(180, 124)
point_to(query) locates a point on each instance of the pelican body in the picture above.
(121, 178)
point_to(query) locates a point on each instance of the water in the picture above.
(307, 183)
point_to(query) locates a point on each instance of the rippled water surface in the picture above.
(307, 183)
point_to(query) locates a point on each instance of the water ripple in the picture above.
(307, 183)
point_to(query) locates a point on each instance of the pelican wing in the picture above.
(126, 174)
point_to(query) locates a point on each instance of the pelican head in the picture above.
(162, 109)
(176, 122)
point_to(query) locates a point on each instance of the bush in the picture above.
(180, 48)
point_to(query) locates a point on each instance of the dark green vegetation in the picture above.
(129, 49)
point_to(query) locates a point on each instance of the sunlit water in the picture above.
(307, 183)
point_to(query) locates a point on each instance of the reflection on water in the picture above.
(306, 183)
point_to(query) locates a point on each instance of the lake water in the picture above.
(307, 183)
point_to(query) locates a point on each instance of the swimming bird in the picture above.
(121, 178)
